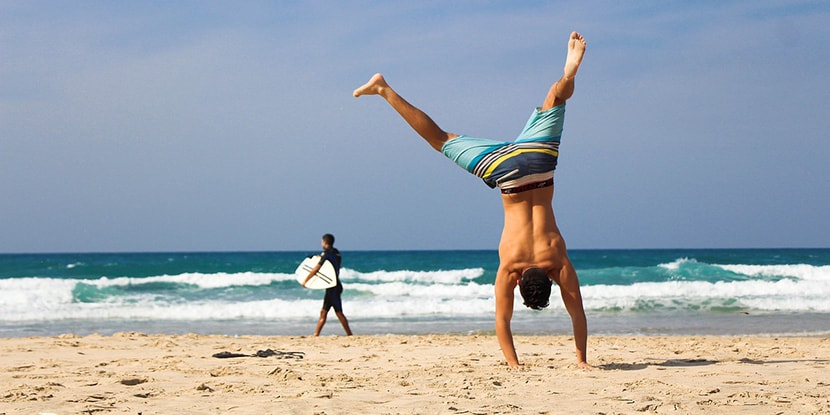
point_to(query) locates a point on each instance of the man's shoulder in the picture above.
(331, 252)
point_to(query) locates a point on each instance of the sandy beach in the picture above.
(135, 373)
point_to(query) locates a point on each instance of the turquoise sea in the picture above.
(626, 292)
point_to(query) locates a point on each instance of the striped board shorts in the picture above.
(524, 164)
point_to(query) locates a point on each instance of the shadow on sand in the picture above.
(667, 363)
(697, 362)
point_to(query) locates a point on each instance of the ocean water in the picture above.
(773, 292)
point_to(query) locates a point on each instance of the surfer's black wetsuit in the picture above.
(332, 298)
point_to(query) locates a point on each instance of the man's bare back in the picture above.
(530, 237)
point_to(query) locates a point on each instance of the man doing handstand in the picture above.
(532, 251)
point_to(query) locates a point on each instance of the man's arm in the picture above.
(572, 297)
(312, 272)
(505, 284)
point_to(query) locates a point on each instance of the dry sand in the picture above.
(134, 373)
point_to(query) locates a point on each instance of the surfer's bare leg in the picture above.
(321, 322)
(340, 316)
(344, 322)
(417, 119)
(563, 89)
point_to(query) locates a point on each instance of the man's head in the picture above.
(535, 288)
(328, 240)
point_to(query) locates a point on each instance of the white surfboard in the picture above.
(324, 278)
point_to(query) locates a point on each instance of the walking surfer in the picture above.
(332, 296)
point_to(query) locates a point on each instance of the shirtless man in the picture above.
(531, 252)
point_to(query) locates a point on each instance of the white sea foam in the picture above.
(217, 280)
(424, 277)
(381, 294)
(676, 264)
(781, 295)
(220, 280)
(799, 271)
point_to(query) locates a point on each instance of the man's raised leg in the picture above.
(417, 119)
(563, 89)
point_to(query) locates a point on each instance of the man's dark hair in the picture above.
(535, 288)
(329, 238)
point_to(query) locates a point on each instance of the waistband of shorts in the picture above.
(529, 186)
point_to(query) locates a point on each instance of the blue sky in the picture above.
(159, 126)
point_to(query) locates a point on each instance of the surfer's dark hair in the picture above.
(329, 238)
(535, 288)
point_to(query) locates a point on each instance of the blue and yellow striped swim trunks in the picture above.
(530, 159)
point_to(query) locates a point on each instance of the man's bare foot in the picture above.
(514, 366)
(576, 49)
(586, 366)
(373, 87)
